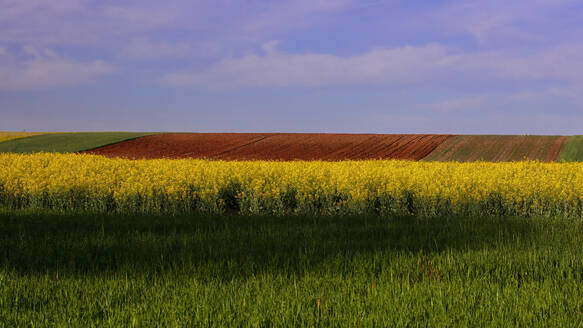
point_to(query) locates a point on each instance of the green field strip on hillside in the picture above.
(488, 153)
(7, 136)
(573, 151)
(66, 142)
(498, 148)
(445, 148)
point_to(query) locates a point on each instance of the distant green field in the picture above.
(66, 142)
(499, 148)
(573, 151)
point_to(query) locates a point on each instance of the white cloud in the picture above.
(561, 63)
(572, 92)
(285, 15)
(146, 16)
(525, 95)
(113, 23)
(270, 47)
(12, 8)
(82, 22)
(43, 22)
(458, 104)
(276, 69)
(143, 47)
(47, 69)
(496, 19)
(401, 65)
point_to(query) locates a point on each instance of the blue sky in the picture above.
(367, 66)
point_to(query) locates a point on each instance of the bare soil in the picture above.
(275, 146)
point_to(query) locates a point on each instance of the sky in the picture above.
(332, 66)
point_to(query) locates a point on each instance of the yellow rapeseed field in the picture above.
(95, 183)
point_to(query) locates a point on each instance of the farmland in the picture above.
(499, 148)
(573, 151)
(291, 163)
(301, 146)
(174, 240)
(123, 270)
(271, 146)
(87, 182)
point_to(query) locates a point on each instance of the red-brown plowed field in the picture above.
(275, 146)
(499, 148)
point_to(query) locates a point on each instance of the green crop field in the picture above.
(499, 148)
(191, 271)
(66, 142)
(573, 151)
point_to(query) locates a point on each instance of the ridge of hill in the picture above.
(301, 146)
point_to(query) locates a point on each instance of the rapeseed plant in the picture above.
(386, 187)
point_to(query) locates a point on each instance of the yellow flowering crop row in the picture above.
(94, 183)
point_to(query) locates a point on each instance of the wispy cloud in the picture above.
(559, 63)
(143, 47)
(572, 92)
(458, 104)
(401, 65)
(492, 20)
(107, 23)
(278, 69)
(44, 68)
(285, 15)
(387, 56)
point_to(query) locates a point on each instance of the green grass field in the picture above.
(498, 148)
(106, 270)
(573, 151)
(66, 142)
